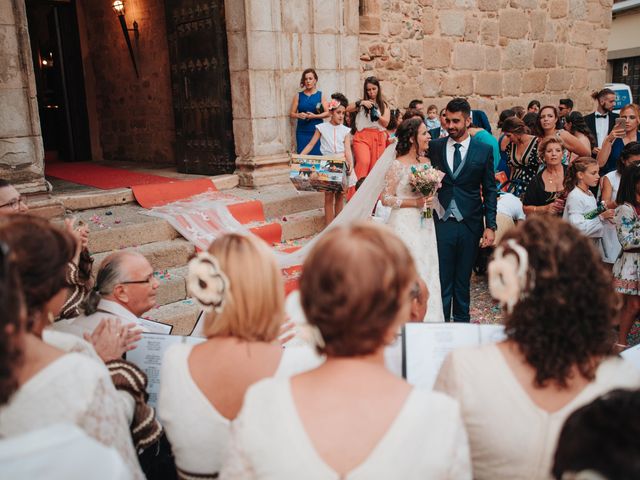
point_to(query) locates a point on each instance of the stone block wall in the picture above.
(21, 151)
(133, 116)
(498, 53)
(270, 43)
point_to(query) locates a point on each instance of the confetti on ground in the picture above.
(485, 310)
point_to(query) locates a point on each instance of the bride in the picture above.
(405, 218)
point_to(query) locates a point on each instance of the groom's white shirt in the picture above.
(463, 150)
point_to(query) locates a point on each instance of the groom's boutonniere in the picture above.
(425, 179)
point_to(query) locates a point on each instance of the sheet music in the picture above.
(427, 345)
(149, 354)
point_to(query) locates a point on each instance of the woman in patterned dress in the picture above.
(522, 154)
(626, 270)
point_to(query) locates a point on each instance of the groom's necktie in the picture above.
(457, 157)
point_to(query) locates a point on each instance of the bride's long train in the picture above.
(202, 219)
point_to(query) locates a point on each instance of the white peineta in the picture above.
(508, 275)
(207, 283)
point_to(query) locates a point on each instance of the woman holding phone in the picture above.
(625, 131)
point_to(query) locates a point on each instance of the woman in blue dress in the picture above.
(621, 135)
(309, 107)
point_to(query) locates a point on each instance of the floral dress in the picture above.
(626, 271)
(523, 169)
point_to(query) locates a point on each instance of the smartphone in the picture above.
(621, 123)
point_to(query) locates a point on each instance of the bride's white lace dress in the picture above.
(419, 238)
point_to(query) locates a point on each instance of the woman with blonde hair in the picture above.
(240, 285)
(350, 417)
(544, 194)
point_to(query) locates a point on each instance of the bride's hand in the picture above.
(427, 202)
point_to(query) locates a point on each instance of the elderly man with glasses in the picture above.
(125, 288)
(10, 199)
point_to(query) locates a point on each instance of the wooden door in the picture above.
(201, 86)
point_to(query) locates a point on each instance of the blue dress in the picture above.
(616, 150)
(306, 128)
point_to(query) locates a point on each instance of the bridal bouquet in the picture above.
(426, 180)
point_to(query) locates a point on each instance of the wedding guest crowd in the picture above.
(243, 401)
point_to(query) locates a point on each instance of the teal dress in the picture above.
(306, 128)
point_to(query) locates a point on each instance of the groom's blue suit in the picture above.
(473, 187)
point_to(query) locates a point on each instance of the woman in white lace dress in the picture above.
(350, 418)
(52, 386)
(418, 234)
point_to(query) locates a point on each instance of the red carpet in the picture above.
(154, 195)
(88, 173)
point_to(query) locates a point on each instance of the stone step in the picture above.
(175, 251)
(75, 197)
(172, 285)
(128, 227)
(182, 315)
(121, 226)
(162, 255)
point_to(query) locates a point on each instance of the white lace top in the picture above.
(425, 441)
(73, 389)
(198, 433)
(397, 187)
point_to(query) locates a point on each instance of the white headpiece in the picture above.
(207, 283)
(508, 275)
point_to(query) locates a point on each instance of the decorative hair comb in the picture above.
(207, 283)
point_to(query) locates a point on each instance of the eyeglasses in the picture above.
(148, 280)
(15, 203)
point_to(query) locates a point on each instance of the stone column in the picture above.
(21, 149)
(270, 43)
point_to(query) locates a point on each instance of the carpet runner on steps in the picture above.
(105, 178)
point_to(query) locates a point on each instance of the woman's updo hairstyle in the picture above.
(514, 125)
(354, 284)
(564, 319)
(42, 252)
(407, 135)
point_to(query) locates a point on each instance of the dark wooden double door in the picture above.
(201, 86)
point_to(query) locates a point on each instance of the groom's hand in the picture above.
(488, 238)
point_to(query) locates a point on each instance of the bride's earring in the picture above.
(51, 317)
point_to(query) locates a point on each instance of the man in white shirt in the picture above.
(125, 288)
(602, 121)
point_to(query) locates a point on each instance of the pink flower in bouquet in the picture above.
(426, 180)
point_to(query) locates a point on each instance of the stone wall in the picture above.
(21, 152)
(497, 53)
(133, 116)
(270, 43)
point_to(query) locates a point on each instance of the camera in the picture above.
(374, 114)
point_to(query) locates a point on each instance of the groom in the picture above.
(468, 197)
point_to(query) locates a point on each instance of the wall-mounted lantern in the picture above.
(118, 8)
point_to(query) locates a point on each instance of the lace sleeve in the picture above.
(237, 465)
(104, 421)
(389, 194)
